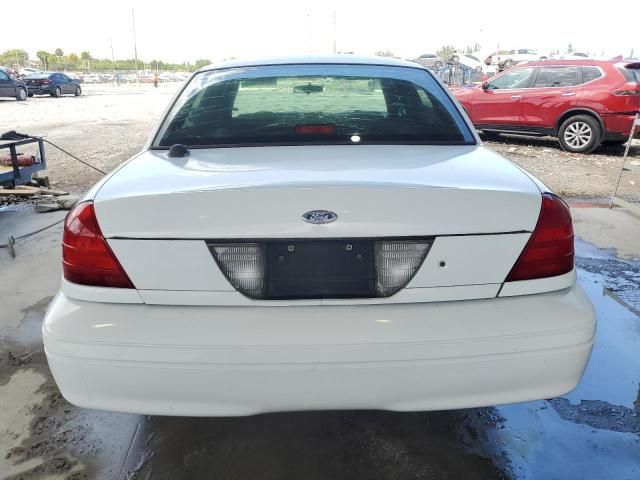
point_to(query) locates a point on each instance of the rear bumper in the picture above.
(39, 90)
(618, 126)
(210, 361)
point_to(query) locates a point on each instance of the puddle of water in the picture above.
(613, 373)
(540, 444)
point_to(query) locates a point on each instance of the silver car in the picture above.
(430, 60)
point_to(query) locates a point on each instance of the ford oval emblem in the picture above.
(319, 217)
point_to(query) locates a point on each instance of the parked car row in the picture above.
(54, 84)
(584, 103)
(143, 77)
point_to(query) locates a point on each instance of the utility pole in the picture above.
(335, 50)
(113, 65)
(309, 28)
(135, 46)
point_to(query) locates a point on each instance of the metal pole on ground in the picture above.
(636, 123)
(135, 46)
(113, 65)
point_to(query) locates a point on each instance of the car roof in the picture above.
(572, 61)
(41, 74)
(314, 60)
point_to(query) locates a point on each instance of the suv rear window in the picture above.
(630, 74)
(313, 104)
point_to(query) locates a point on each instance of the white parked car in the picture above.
(468, 60)
(24, 71)
(316, 233)
(509, 58)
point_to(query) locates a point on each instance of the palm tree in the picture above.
(59, 53)
(86, 57)
(43, 56)
(73, 59)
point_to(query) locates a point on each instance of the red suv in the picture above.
(582, 102)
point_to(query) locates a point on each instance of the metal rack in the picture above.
(19, 175)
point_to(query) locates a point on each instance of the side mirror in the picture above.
(485, 86)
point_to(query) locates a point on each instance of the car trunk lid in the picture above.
(262, 192)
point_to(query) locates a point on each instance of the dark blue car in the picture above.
(11, 87)
(54, 84)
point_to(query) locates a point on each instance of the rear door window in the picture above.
(557, 77)
(590, 73)
(347, 104)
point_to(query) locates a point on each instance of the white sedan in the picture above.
(316, 233)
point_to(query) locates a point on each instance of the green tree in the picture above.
(202, 62)
(43, 56)
(86, 58)
(59, 53)
(15, 57)
(446, 51)
(73, 60)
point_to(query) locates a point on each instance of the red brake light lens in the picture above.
(86, 256)
(549, 251)
(319, 129)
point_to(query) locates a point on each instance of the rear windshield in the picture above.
(631, 74)
(313, 104)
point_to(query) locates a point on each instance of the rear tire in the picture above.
(580, 134)
(438, 64)
(57, 93)
(21, 94)
(78, 92)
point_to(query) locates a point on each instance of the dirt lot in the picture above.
(108, 124)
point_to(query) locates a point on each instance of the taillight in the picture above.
(549, 251)
(86, 256)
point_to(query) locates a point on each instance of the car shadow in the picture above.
(552, 143)
(356, 445)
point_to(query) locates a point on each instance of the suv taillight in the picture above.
(549, 251)
(626, 93)
(86, 256)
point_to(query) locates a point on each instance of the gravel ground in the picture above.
(108, 124)
(572, 174)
